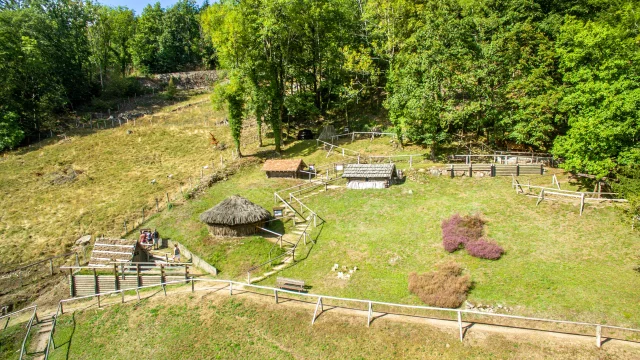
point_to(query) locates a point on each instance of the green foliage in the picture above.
(10, 132)
(602, 101)
(230, 96)
(172, 89)
(628, 186)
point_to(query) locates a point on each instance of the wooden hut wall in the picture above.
(368, 184)
(282, 174)
(234, 231)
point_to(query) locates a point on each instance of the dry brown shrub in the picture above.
(445, 287)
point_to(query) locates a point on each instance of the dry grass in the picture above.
(445, 287)
(93, 182)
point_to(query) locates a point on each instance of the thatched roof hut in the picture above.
(235, 217)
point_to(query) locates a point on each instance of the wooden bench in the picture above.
(290, 284)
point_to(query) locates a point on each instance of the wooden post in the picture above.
(98, 301)
(318, 305)
(540, 197)
(193, 289)
(369, 315)
(72, 284)
(452, 173)
(598, 336)
(541, 170)
(275, 294)
(138, 277)
(493, 170)
(115, 277)
(162, 279)
(581, 203)
(410, 162)
(157, 205)
(77, 260)
(168, 199)
(7, 323)
(460, 324)
(517, 169)
(230, 288)
(51, 264)
(138, 293)
(470, 170)
(96, 288)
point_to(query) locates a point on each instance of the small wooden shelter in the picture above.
(370, 176)
(235, 217)
(288, 168)
(106, 251)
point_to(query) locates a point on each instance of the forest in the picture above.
(553, 76)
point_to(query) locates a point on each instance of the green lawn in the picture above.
(201, 326)
(557, 263)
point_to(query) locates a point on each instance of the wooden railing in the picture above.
(447, 314)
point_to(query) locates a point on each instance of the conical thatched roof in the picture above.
(235, 210)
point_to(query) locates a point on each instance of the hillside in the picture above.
(94, 180)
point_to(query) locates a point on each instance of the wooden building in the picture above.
(106, 251)
(289, 168)
(235, 217)
(370, 176)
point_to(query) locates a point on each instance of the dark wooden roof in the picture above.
(363, 171)
(283, 165)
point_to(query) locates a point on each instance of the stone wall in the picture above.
(190, 80)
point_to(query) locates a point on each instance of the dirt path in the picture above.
(472, 331)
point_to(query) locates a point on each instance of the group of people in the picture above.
(150, 238)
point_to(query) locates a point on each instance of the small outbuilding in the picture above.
(107, 251)
(288, 168)
(370, 176)
(235, 217)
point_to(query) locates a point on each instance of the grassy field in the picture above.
(218, 327)
(557, 263)
(44, 209)
(11, 341)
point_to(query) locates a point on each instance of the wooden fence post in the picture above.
(452, 171)
(51, 265)
(460, 324)
(230, 288)
(581, 203)
(517, 169)
(115, 277)
(318, 305)
(72, 284)
(192, 285)
(157, 205)
(275, 294)
(598, 336)
(168, 202)
(96, 288)
(369, 315)
(162, 279)
(139, 280)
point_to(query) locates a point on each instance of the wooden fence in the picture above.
(464, 318)
(30, 273)
(124, 276)
(584, 196)
(495, 169)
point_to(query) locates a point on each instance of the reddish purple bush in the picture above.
(484, 248)
(458, 230)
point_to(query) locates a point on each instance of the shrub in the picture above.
(445, 287)
(458, 230)
(484, 248)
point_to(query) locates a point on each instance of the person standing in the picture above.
(156, 239)
(176, 253)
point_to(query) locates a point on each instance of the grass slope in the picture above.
(39, 217)
(218, 327)
(557, 264)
